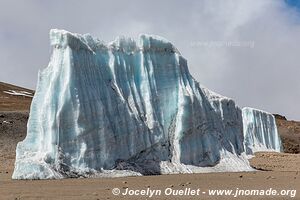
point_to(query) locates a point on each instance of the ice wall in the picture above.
(128, 106)
(260, 131)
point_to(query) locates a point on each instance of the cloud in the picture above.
(265, 76)
(216, 37)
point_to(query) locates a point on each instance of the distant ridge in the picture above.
(289, 132)
(14, 98)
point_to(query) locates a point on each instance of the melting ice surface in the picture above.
(260, 131)
(127, 108)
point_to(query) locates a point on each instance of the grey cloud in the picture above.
(265, 76)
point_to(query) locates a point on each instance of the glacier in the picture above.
(260, 131)
(130, 107)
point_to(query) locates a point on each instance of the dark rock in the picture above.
(277, 116)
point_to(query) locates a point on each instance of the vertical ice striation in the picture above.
(260, 131)
(129, 106)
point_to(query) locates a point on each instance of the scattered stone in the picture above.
(270, 177)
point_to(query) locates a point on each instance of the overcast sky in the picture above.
(248, 50)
